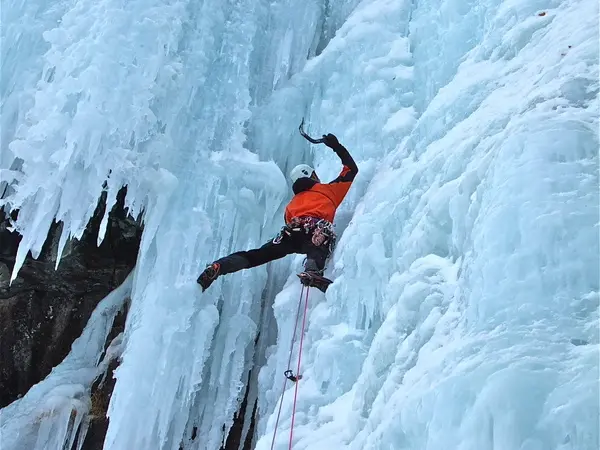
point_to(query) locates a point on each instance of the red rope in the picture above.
(288, 365)
(298, 370)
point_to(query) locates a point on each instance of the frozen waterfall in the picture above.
(464, 309)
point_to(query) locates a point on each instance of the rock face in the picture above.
(45, 310)
(101, 393)
(234, 438)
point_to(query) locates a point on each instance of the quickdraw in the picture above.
(289, 374)
(284, 232)
(324, 235)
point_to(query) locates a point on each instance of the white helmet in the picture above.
(301, 171)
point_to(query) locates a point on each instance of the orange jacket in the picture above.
(321, 200)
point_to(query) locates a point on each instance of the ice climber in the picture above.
(308, 226)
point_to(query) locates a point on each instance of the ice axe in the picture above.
(307, 137)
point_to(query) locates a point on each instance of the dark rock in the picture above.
(45, 310)
(234, 438)
(101, 393)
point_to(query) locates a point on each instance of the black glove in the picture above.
(331, 141)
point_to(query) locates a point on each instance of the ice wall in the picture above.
(464, 312)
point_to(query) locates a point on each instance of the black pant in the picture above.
(296, 242)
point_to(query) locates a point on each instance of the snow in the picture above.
(464, 308)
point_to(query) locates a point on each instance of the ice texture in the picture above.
(464, 309)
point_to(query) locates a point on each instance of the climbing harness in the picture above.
(320, 230)
(289, 373)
